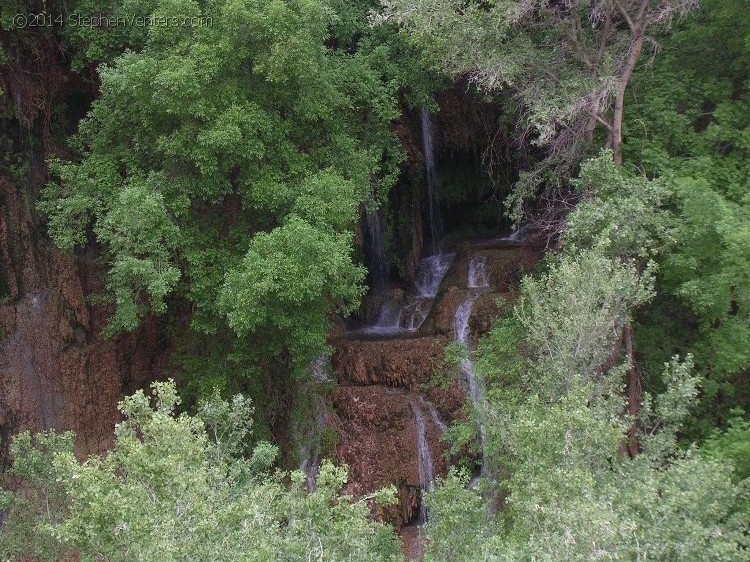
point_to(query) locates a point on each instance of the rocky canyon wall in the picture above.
(56, 369)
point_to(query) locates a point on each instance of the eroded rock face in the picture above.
(379, 440)
(405, 363)
(57, 371)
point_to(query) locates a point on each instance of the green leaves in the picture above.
(573, 316)
(176, 488)
(286, 282)
(621, 213)
(141, 238)
(691, 130)
(327, 201)
(244, 141)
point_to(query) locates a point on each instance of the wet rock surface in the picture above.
(379, 440)
(56, 368)
(389, 385)
(407, 362)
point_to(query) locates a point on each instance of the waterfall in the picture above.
(478, 280)
(399, 318)
(428, 147)
(435, 417)
(310, 447)
(430, 273)
(478, 276)
(395, 318)
(424, 458)
(375, 233)
(518, 235)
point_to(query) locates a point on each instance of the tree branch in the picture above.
(626, 17)
(603, 42)
(604, 122)
(641, 13)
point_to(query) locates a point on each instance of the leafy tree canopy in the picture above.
(689, 126)
(557, 422)
(224, 163)
(179, 488)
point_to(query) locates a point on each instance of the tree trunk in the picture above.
(634, 392)
(589, 132)
(615, 142)
(616, 133)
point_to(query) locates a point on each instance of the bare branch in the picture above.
(604, 39)
(641, 13)
(626, 16)
(606, 124)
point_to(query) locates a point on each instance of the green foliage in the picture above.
(329, 439)
(732, 444)
(140, 236)
(458, 523)
(175, 488)
(573, 315)
(286, 282)
(91, 45)
(553, 435)
(691, 129)
(556, 416)
(621, 213)
(226, 163)
(40, 509)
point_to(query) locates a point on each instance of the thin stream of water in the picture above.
(478, 280)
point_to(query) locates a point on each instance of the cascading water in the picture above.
(310, 439)
(395, 318)
(428, 147)
(311, 449)
(478, 276)
(375, 234)
(424, 458)
(478, 280)
(518, 235)
(430, 273)
(435, 417)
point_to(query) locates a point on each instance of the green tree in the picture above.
(557, 419)
(566, 490)
(568, 63)
(176, 487)
(691, 130)
(224, 163)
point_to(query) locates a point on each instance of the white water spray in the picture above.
(425, 465)
(395, 318)
(478, 280)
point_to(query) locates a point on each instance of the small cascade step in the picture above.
(389, 436)
(425, 461)
(406, 316)
(478, 281)
(405, 363)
